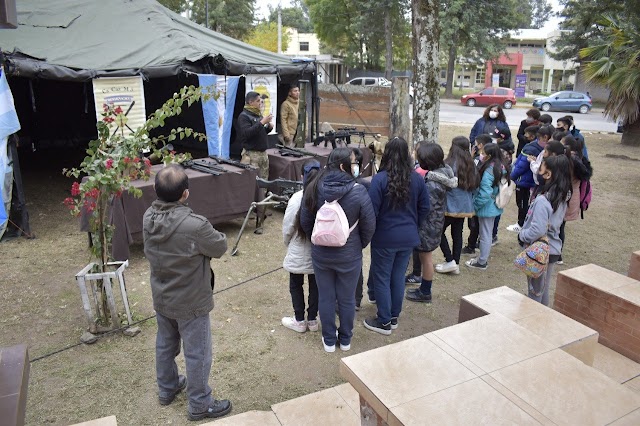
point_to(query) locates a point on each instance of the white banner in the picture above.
(125, 92)
(267, 86)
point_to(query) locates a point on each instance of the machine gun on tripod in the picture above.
(343, 136)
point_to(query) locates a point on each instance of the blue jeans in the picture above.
(337, 283)
(388, 266)
(196, 340)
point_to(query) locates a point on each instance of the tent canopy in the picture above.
(77, 40)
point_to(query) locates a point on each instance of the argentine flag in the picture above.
(9, 124)
(218, 113)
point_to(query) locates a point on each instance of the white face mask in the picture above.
(355, 169)
(493, 114)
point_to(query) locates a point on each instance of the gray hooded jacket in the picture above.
(430, 231)
(179, 246)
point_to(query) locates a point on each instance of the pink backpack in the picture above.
(331, 228)
(585, 196)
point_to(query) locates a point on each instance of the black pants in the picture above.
(296, 282)
(359, 288)
(522, 201)
(562, 237)
(457, 224)
(474, 232)
(417, 265)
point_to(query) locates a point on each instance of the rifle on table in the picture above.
(286, 151)
(207, 167)
(232, 163)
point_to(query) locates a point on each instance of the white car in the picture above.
(369, 81)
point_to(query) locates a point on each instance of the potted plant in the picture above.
(114, 160)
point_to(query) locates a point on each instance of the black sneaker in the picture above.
(357, 306)
(474, 264)
(182, 384)
(415, 295)
(394, 323)
(218, 408)
(494, 241)
(468, 251)
(413, 279)
(374, 324)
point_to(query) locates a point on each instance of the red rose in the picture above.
(118, 110)
(136, 160)
(126, 160)
(109, 163)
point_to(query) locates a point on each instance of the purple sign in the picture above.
(521, 84)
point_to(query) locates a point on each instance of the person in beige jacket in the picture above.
(289, 116)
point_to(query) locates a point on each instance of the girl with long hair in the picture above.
(581, 172)
(493, 118)
(493, 169)
(459, 204)
(439, 179)
(400, 202)
(337, 268)
(298, 259)
(545, 218)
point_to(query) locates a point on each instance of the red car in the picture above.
(491, 95)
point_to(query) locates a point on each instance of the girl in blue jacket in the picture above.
(493, 169)
(337, 268)
(400, 201)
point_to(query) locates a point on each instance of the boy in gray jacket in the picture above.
(179, 246)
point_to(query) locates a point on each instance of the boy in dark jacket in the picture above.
(523, 177)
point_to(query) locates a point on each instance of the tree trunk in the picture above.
(451, 67)
(631, 134)
(426, 69)
(388, 57)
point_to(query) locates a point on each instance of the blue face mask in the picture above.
(355, 168)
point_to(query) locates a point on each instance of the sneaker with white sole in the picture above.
(394, 323)
(514, 228)
(448, 267)
(292, 324)
(312, 325)
(345, 348)
(374, 324)
(328, 348)
(494, 241)
(474, 264)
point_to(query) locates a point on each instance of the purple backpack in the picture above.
(585, 196)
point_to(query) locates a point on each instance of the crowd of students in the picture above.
(405, 210)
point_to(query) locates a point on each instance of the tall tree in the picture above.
(477, 30)
(296, 16)
(615, 63)
(580, 19)
(540, 11)
(265, 36)
(230, 17)
(177, 6)
(426, 103)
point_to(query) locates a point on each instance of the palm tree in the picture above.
(615, 63)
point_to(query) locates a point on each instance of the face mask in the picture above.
(355, 169)
(560, 129)
(493, 114)
(529, 120)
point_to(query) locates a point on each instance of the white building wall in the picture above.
(295, 41)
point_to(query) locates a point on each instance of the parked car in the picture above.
(565, 100)
(369, 81)
(491, 95)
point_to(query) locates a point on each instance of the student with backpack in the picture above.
(337, 267)
(298, 259)
(566, 124)
(492, 171)
(472, 222)
(401, 202)
(544, 219)
(581, 173)
(459, 204)
(523, 177)
(439, 179)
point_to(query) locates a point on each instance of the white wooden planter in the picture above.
(91, 299)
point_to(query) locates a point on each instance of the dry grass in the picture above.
(257, 361)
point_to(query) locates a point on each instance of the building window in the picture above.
(304, 46)
(480, 75)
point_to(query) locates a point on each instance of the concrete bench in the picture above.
(605, 301)
(634, 266)
(14, 381)
(563, 332)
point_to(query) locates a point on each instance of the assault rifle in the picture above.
(207, 167)
(234, 163)
(285, 151)
(343, 135)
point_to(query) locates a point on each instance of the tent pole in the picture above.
(18, 202)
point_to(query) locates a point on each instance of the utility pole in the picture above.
(206, 14)
(279, 30)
